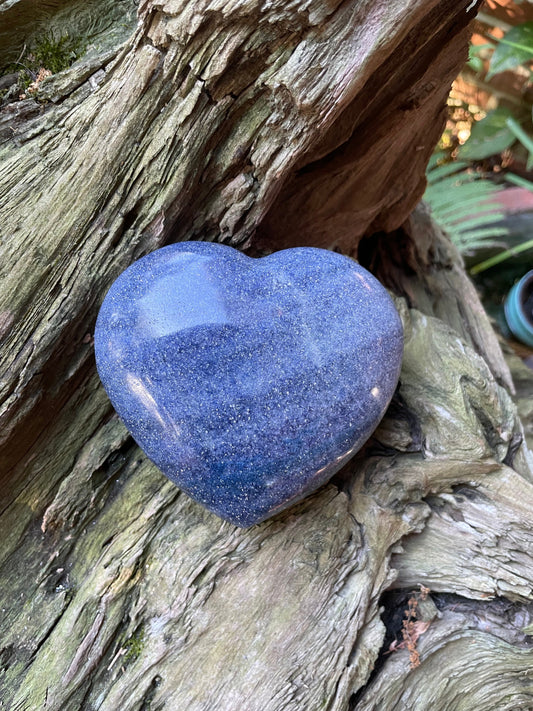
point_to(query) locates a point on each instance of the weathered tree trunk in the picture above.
(263, 125)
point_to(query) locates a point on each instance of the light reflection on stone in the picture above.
(248, 382)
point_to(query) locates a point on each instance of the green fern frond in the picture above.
(441, 171)
(480, 221)
(464, 204)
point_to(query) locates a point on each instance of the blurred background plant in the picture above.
(480, 180)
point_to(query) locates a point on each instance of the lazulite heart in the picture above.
(248, 382)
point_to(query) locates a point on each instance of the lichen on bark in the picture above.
(260, 125)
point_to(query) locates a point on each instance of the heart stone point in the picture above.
(248, 382)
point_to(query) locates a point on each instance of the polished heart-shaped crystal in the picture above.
(248, 382)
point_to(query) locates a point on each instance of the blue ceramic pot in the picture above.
(518, 309)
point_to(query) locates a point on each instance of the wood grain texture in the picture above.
(469, 659)
(116, 590)
(168, 146)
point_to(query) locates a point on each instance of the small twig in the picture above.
(487, 19)
(32, 74)
(498, 93)
(23, 52)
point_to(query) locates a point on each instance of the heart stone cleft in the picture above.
(248, 382)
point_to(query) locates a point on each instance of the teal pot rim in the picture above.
(521, 327)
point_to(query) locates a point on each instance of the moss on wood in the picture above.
(158, 138)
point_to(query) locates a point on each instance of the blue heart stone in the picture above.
(248, 382)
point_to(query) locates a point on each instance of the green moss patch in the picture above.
(50, 55)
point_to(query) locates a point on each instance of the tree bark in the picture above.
(262, 125)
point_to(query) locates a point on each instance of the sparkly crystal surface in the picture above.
(248, 382)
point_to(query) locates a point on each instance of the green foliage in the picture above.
(501, 257)
(49, 54)
(57, 54)
(463, 199)
(513, 251)
(514, 49)
(474, 60)
(489, 136)
(499, 130)
(523, 137)
(462, 202)
(134, 646)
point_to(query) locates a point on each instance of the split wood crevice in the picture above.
(264, 126)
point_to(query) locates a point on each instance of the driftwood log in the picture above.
(262, 125)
